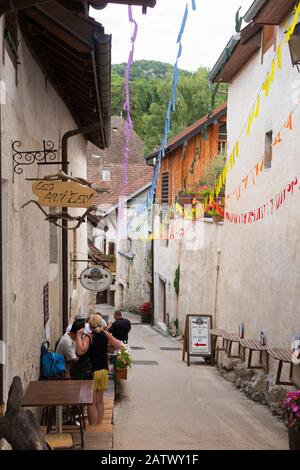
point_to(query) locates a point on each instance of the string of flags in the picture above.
(171, 104)
(126, 106)
(267, 209)
(254, 114)
(257, 169)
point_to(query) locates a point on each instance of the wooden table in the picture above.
(59, 393)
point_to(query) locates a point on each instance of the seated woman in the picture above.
(96, 344)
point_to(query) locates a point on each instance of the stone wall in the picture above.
(197, 254)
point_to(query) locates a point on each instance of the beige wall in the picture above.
(197, 255)
(260, 263)
(32, 112)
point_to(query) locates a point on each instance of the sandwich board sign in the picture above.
(197, 338)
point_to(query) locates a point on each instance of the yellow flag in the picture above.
(257, 107)
(291, 29)
(250, 120)
(237, 149)
(279, 58)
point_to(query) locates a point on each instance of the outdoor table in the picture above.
(59, 393)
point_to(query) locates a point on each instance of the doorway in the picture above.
(162, 300)
(101, 297)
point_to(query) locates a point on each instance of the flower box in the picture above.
(121, 374)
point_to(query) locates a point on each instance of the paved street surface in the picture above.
(172, 406)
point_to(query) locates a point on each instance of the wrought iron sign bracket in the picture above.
(46, 156)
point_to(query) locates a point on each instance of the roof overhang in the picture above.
(269, 12)
(76, 5)
(237, 53)
(75, 56)
(205, 122)
(126, 199)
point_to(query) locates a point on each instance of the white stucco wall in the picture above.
(197, 255)
(32, 112)
(260, 263)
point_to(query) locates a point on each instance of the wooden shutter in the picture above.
(165, 188)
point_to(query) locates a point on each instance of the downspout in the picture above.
(152, 286)
(216, 287)
(1, 279)
(65, 238)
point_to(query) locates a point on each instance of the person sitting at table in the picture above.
(96, 345)
(67, 344)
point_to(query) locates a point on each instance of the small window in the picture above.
(268, 149)
(11, 36)
(111, 248)
(222, 139)
(269, 38)
(165, 188)
(105, 175)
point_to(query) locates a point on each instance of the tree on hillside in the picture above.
(150, 89)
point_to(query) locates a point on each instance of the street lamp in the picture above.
(294, 45)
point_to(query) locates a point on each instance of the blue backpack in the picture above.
(52, 364)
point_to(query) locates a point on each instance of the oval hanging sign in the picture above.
(63, 194)
(96, 278)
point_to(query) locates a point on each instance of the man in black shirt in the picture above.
(120, 327)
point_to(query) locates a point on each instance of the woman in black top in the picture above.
(96, 345)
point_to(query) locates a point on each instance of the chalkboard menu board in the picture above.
(197, 339)
(46, 302)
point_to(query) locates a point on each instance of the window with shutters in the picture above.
(165, 188)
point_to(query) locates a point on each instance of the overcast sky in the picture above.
(207, 31)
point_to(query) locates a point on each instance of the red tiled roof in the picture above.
(138, 176)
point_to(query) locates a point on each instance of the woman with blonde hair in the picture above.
(95, 345)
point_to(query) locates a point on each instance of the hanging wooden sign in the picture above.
(63, 194)
(197, 339)
(96, 278)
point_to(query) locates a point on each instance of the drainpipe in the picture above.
(152, 287)
(65, 238)
(1, 279)
(216, 287)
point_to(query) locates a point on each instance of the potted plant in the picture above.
(291, 410)
(123, 360)
(146, 312)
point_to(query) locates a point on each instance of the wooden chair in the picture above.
(59, 441)
(255, 345)
(283, 355)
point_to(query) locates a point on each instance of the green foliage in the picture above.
(177, 280)
(214, 169)
(150, 88)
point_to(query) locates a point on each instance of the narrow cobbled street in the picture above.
(166, 405)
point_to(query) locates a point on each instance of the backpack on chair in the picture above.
(52, 364)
